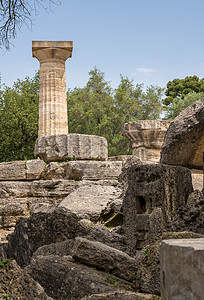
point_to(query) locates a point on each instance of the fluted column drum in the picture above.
(53, 118)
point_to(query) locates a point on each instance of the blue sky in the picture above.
(150, 41)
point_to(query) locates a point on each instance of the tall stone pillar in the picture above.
(52, 95)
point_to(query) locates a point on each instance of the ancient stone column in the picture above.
(52, 95)
(147, 138)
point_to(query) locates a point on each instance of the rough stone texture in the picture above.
(147, 137)
(153, 195)
(113, 239)
(20, 198)
(61, 249)
(122, 295)
(182, 269)
(41, 229)
(69, 146)
(3, 250)
(105, 258)
(91, 200)
(184, 141)
(189, 217)
(15, 283)
(197, 179)
(34, 169)
(52, 94)
(21, 170)
(63, 279)
(83, 170)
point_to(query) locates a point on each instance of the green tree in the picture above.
(19, 119)
(179, 104)
(179, 88)
(97, 109)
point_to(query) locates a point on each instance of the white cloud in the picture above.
(146, 71)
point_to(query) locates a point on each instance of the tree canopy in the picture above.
(94, 109)
(18, 119)
(97, 109)
(179, 88)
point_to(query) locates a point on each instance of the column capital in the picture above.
(52, 50)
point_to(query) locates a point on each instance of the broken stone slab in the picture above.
(91, 201)
(122, 295)
(148, 275)
(197, 179)
(184, 141)
(147, 137)
(15, 283)
(182, 269)
(105, 258)
(63, 279)
(40, 229)
(83, 170)
(71, 146)
(37, 188)
(189, 217)
(149, 187)
(21, 170)
(110, 238)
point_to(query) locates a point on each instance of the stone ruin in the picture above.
(147, 138)
(91, 228)
(54, 143)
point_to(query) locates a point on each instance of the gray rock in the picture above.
(42, 229)
(21, 170)
(15, 170)
(63, 279)
(148, 274)
(93, 170)
(61, 249)
(121, 295)
(34, 169)
(69, 146)
(110, 238)
(3, 250)
(105, 258)
(182, 269)
(184, 141)
(189, 217)
(150, 187)
(15, 283)
(91, 201)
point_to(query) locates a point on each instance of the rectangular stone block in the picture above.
(182, 269)
(15, 170)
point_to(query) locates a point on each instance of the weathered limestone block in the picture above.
(69, 146)
(84, 169)
(91, 200)
(103, 257)
(182, 269)
(34, 169)
(148, 275)
(15, 283)
(197, 179)
(63, 279)
(152, 186)
(40, 229)
(93, 170)
(121, 295)
(184, 141)
(15, 170)
(38, 188)
(147, 137)
(52, 95)
(22, 170)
